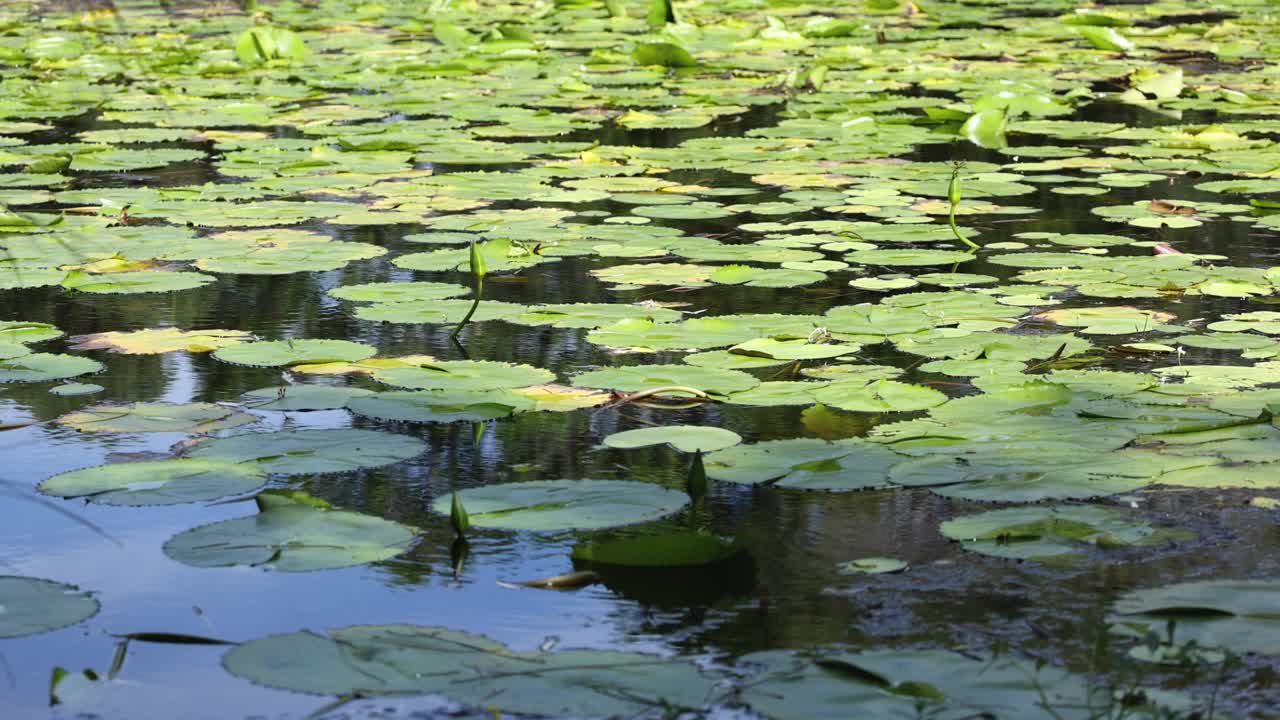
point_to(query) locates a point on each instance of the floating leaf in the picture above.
(1040, 532)
(1235, 615)
(565, 504)
(441, 405)
(34, 606)
(457, 375)
(673, 550)
(160, 340)
(647, 377)
(288, 398)
(156, 482)
(470, 669)
(307, 452)
(41, 367)
(201, 418)
(805, 464)
(292, 535)
(277, 353)
(685, 438)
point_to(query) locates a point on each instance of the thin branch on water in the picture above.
(13, 492)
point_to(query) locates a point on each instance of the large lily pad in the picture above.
(32, 605)
(463, 375)
(471, 669)
(156, 417)
(565, 504)
(306, 452)
(1235, 615)
(41, 367)
(805, 464)
(156, 482)
(160, 340)
(292, 532)
(679, 379)
(441, 405)
(1039, 532)
(685, 438)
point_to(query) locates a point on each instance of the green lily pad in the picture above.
(17, 331)
(278, 353)
(685, 438)
(885, 684)
(1235, 615)
(565, 504)
(302, 397)
(1040, 532)
(141, 281)
(673, 550)
(201, 418)
(442, 406)
(470, 669)
(307, 452)
(908, 258)
(292, 532)
(879, 396)
(156, 482)
(41, 367)
(75, 389)
(32, 605)
(464, 375)
(805, 464)
(399, 292)
(649, 377)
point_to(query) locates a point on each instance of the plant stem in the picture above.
(470, 311)
(951, 220)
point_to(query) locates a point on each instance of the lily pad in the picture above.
(1040, 532)
(442, 406)
(160, 340)
(463, 375)
(672, 550)
(32, 605)
(156, 482)
(805, 464)
(1235, 615)
(302, 397)
(565, 504)
(201, 418)
(277, 353)
(680, 379)
(685, 438)
(292, 532)
(307, 452)
(470, 669)
(41, 367)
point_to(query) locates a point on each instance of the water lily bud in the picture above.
(458, 516)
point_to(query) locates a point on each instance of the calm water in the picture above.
(787, 594)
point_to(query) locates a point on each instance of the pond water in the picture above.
(1151, 401)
